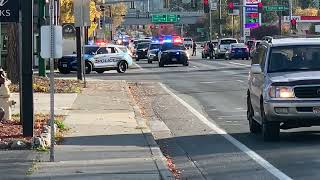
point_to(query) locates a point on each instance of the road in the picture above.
(199, 118)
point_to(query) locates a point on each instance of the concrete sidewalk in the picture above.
(105, 141)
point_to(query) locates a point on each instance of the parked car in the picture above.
(237, 51)
(223, 46)
(284, 86)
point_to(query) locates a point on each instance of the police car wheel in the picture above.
(88, 68)
(64, 70)
(122, 67)
(100, 71)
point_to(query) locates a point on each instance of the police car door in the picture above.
(107, 59)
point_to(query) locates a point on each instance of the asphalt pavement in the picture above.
(203, 106)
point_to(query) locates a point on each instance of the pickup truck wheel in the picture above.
(254, 126)
(122, 67)
(270, 130)
(64, 70)
(88, 68)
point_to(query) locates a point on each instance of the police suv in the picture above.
(98, 58)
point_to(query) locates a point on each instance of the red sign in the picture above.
(253, 15)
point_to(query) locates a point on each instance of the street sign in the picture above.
(158, 18)
(276, 8)
(51, 49)
(317, 28)
(247, 32)
(9, 10)
(82, 13)
(165, 18)
(172, 18)
(213, 5)
(251, 9)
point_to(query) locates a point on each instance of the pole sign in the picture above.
(9, 10)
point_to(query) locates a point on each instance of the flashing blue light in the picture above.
(167, 41)
(155, 41)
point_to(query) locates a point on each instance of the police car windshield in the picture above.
(169, 46)
(154, 46)
(90, 50)
(294, 58)
(143, 45)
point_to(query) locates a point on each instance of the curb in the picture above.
(159, 158)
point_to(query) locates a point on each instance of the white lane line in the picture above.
(209, 82)
(240, 64)
(138, 66)
(240, 81)
(264, 163)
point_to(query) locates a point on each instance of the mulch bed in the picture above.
(12, 130)
(42, 85)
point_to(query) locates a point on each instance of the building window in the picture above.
(166, 3)
(132, 6)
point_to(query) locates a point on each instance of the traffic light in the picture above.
(260, 7)
(101, 23)
(230, 7)
(293, 23)
(206, 7)
(102, 8)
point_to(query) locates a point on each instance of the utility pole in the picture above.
(290, 14)
(110, 16)
(210, 28)
(41, 20)
(220, 18)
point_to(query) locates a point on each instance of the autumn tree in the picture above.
(306, 12)
(118, 12)
(67, 14)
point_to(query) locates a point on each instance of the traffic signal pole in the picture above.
(41, 19)
(26, 72)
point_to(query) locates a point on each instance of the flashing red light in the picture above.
(177, 40)
(231, 5)
(100, 43)
(260, 5)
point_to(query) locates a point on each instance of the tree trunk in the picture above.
(12, 60)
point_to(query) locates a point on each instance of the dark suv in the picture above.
(284, 86)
